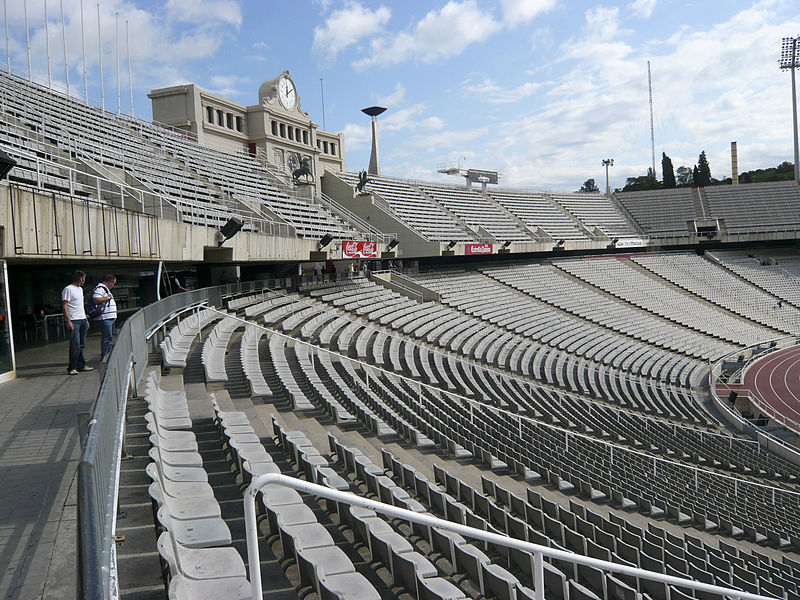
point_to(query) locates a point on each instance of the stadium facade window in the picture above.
(297, 134)
(318, 144)
(305, 137)
(325, 147)
(333, 148)
(229, 120)
(274, 128)
(238, 123)
(283, 130)
(220, 118)
(210, 114)
(291, 133)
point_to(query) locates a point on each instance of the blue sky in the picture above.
(540, 90)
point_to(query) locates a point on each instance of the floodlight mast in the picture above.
(608, 162)
(789, 60)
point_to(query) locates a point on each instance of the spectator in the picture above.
(102, 295)
(76, 321)
(176, 285)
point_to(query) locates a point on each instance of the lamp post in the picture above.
(789, 60)
(608, 162)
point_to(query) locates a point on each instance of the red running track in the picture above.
(775, 381)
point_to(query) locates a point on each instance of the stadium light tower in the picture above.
(374, 160)
(789, 60)
(608, 162)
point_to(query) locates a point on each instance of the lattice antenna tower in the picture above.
(652, 129)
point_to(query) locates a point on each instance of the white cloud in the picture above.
(260, 46)
(394, 98)
(463, 22)
(643, 8)
(517, 12)
(357, 136)
(346, 27)
(490, 91)
(204, 12)
(229, 85)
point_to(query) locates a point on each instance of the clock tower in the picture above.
(276, 128)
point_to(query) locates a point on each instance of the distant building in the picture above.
(276, 127)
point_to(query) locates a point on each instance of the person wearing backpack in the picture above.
(76, 321)
(104, 311)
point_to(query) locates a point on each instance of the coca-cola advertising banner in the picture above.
(356, 249)
(477, 248)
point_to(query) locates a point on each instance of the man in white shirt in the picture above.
(77, 323)
(102, 296)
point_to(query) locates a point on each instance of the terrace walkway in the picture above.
(39, 454)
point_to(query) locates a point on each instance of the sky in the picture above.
(540, 90)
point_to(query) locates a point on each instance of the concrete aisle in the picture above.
(39, 453)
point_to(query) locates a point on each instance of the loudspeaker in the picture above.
(231, 228)
(6, 164)
(326, 239)
(732, 397)
(392, 245)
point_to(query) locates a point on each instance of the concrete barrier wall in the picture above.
(35, 225)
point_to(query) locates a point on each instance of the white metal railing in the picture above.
(538, 552)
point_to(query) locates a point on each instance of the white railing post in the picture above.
(538, 575)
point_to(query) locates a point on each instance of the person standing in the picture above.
(102, 296)
(176, 285)
(76, 321)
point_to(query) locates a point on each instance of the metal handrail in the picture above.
(539, 552)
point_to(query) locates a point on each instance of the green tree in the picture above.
(645, 182)
(684, 176)
(668, 171)
(589, 187)
(703, 177)
(695, 176)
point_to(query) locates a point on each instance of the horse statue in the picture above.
(363, 180)
(303, 169)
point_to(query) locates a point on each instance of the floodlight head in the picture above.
(789, 58)
(6, 164)
(373, 111)
(608, 162)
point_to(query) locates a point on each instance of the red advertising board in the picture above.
(358, 249)
(477, 248)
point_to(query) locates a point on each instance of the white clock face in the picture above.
(287, 93)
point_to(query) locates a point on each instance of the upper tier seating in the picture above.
(661, 213)
(597, 210)
(414, 209)
(206, 186)
(536, 210)
(477, 211)
(755, 207)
